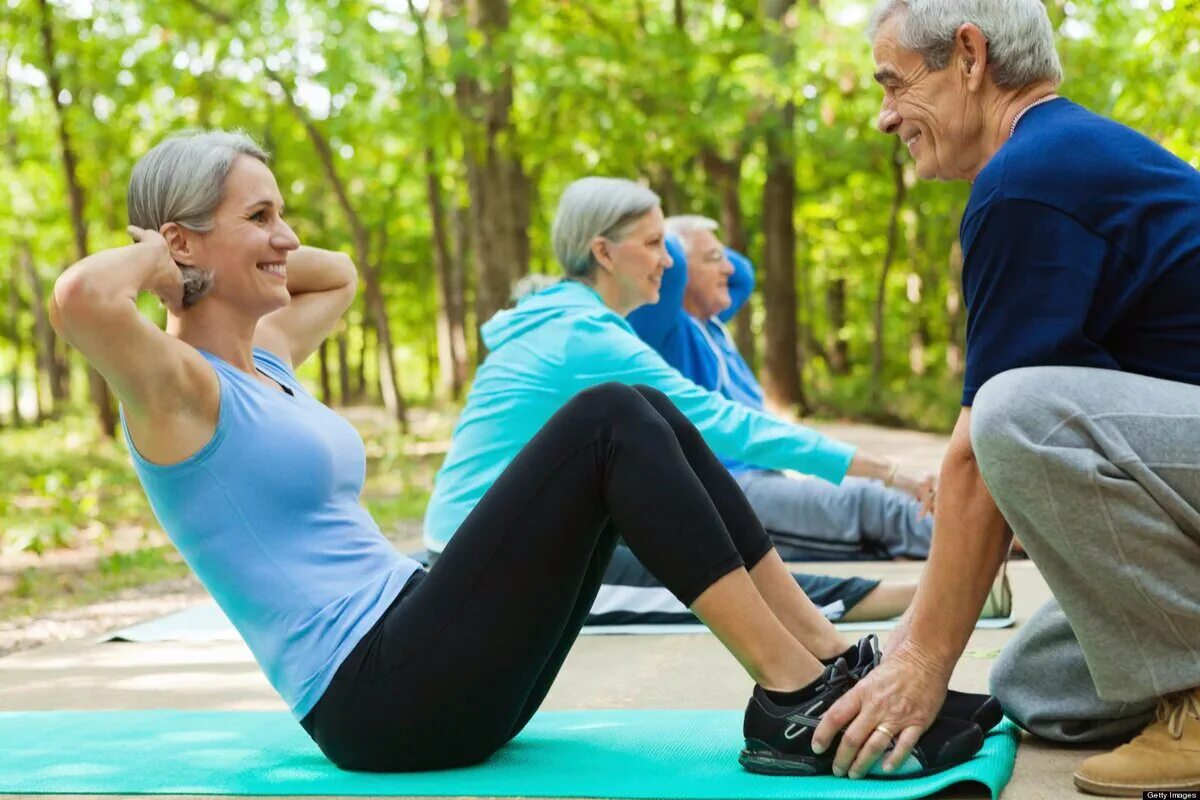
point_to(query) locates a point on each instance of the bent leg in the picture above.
(770, 576)
(464, 661)
(1042, 680)
(1096, 471)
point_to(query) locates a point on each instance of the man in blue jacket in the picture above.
(809, 520)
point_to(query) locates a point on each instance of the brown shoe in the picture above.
(1166, 755)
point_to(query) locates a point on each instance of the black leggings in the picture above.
(463, 658)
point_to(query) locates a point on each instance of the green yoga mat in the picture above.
(618, 754)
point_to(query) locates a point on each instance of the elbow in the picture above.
(348, 290)
(348, 270)
(348, 273)
(69, 301)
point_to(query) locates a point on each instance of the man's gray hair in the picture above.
(682, 226)
(592, 207)
(182, 180)
(1020, 37)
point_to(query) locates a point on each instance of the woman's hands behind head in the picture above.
(176, 285)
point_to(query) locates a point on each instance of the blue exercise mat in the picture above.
(618, 754)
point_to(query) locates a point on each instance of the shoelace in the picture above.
(839, 678)
(1175, 708)
(861, 670)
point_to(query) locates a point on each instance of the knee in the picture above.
(615, 406)
(605, 400)
(665, 407)
(1011, 413)
(652, 395)
(1007, 683)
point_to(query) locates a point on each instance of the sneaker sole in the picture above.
(1117, 790)
(762, 760)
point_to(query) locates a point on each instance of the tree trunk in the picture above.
(836, 348)
(781, 373)
(98, 389)
(42, 401)
(62, 363)
(14, 332)
(496, 179)
(323, 366)
(460, 297)
(360, 370)
(343, 359)
(451, 332)
(45, 340)
(889, 255)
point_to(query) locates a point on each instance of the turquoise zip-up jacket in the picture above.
(561, 340)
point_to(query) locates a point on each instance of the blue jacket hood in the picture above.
(533, 311)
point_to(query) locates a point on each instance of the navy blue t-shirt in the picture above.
(1081, 247)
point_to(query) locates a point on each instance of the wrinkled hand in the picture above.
(170, 288)
(903, 694)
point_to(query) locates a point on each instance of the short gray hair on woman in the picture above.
(1020, 37)
(182, 180)
(592, 207)
(684, 225)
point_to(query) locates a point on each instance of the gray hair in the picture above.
(182, 180)
(1020, 38)
(592, 207)
(684, 225)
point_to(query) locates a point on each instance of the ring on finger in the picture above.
(882, 729)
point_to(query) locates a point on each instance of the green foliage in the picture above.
(621, 88)
(63, 481)
(37, 591)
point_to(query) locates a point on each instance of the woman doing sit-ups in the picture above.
(387, 667)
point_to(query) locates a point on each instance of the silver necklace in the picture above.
(1021, 113)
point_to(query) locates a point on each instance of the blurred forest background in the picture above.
(430, 139)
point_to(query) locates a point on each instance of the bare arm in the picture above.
(969, 544)
(883, 469)
(94, 307)
(905, 692)
(322, 284)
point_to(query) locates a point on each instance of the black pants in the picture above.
(462, 660)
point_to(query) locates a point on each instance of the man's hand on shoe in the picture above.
(900, 698)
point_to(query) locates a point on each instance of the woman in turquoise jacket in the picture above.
(573, 335)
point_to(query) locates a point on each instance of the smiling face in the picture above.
(707, 292)
(932, 111)
(632, 269)
(248, 246)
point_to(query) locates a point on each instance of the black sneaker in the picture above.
(779, 738)
(982, 709)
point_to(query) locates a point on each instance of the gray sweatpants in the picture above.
(809, 519)
(1098, 474)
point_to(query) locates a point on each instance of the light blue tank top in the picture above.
(267, 515)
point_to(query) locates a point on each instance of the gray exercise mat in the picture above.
(206, 623)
